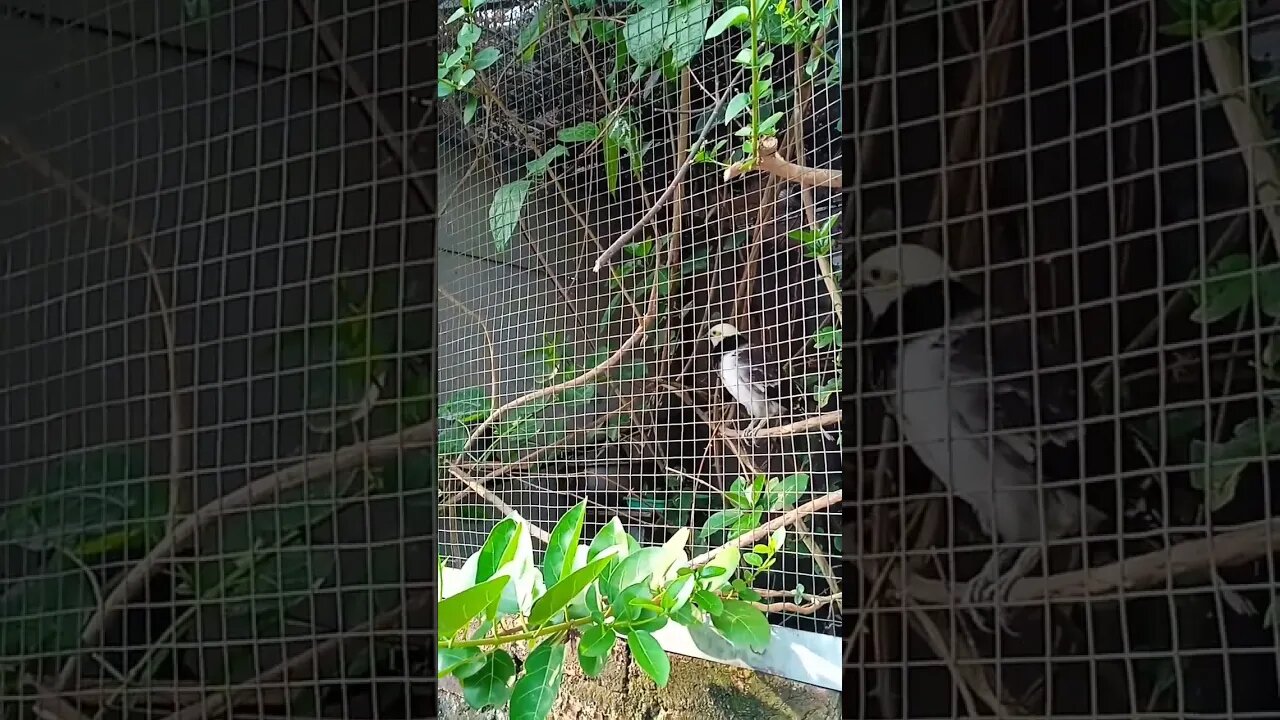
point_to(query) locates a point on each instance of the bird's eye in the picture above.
(876, 274)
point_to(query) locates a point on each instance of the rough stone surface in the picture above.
(697, 690)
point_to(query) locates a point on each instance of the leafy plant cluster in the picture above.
(1228, 290)
(459, 67)
(607, 592)
(662, 36)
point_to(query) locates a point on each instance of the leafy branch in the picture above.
(604, 591)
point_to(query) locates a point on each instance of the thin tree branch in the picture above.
(768, 528)
(254, 493)
(180, 493)
(795, 428)
(625, 237)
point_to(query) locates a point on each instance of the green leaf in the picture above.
(1224, 13)
(460, 662)
(678, 593)
(469, 110)
(498, 548)
(468, 35)
(726, 562)
(828, 336)
(733, 17)
(1221, 296)
(686, 27)
(582, 132)
(1269, 292)
(735, 106)
(536, 168)
(822, 393)
(491, 684)
(1226, 462)
(45, 613)
(612, 162)
(719, 522)
(611, 539)
(709, 602)
(743, 625)
(650, 656)
(597, 641)
(685, 616)
(485, 58)
(591, 666)
(645, 32)
(89, 504)
(457, 611)
(562, 545)
(456, 16)
(786, 492)
(451, 440)
(504, 212)
(639, 566)
(559, 596)
(467, 405)
(768, 124)
(527, 41)
(535, 693)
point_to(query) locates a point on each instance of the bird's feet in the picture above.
(749, 432)
(992, 587)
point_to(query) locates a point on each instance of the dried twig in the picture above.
(965, 132)
(299, 667)
(488, 340)
(180, 493)
(50, 706)
(773, 163)
(625, 237)
(809, 608)
(795, 428)
(932, 635)
(637, 336)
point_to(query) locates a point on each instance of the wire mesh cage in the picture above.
(607, 252)
(218, 304)
(1063, 224)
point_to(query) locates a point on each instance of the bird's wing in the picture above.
(761, 367)
(1025, 396)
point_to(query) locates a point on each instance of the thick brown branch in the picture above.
(776, 165)
(1192, 557)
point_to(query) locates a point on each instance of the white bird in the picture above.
(749, 373)
(972, 415)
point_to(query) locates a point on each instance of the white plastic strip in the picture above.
(801, 656)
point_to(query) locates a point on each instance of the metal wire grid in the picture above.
(1094, 184)
(642, 443)
(221, 160)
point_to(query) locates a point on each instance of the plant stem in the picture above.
(755, 79)
(516, 637)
